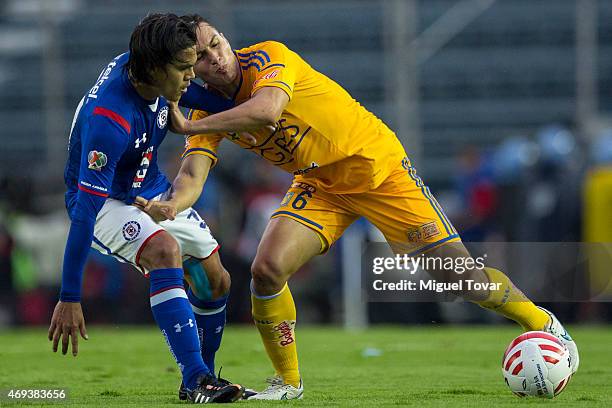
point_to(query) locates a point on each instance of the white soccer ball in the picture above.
(536, 364)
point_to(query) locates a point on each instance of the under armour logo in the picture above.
(179, 327)
(143, 139)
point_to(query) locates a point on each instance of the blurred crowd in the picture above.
(529, 188)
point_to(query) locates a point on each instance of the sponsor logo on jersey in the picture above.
(130, 230)
(269, 75)
(141, 173)
(429, 230)
(423, 232)
(303, 171)
(140, 140)
(162, 117)
(96, 160)
(103, 77)
(285, 331)
(304, 186)
(93, 186)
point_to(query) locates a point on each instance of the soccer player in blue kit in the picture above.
(115, 134)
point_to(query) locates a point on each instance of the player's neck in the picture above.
(147, 92)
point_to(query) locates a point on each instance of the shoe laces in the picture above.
(221, 379)
(212, 382)
(274, 383)
(555, 328)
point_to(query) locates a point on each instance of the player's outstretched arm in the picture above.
(101, 150)
(67, 320)
(186, 189)
(261, 110)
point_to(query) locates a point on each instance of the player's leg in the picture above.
(209, 286)
(502, 297)
(209, 282)
(132, 236)
(285, 246)
(161, 256)
(413, 222)
(307, 222)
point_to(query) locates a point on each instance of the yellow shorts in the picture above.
(402, 208)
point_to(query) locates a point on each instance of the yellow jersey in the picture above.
(323, 133)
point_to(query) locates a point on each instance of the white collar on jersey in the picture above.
(153, 106)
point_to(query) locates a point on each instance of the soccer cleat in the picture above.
(210, 390)
(555, 328)
(183, 392)
(277, 390)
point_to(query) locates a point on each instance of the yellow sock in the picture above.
(275, 319)
(510, 302)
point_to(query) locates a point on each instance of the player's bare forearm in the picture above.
(263, 109)
(188, 184)
(186, 189)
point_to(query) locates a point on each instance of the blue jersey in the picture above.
(114, 139)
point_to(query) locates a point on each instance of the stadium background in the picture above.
(503, 106)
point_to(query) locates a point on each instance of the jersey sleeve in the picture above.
(103, 146)
(275, 67)
(205, 144)
(198, 97)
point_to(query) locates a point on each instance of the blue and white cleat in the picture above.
(555, 328)
(277, 391)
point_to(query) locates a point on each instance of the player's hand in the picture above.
(243, 136)
(178, 123)
(67, 322)
(249, 138)
(158, 210)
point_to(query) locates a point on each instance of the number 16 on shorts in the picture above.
(300, 200)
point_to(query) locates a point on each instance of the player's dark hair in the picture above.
(156, 41)
(195, 20)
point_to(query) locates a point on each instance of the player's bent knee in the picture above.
(219, 283)
(268, 275)
(224, 285)
(208, 279)
(161, 251)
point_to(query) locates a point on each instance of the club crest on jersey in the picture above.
(130, 230)
(162, 117)
(96, 160)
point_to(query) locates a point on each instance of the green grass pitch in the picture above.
(422, 366)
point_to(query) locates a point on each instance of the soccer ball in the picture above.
(537, 364)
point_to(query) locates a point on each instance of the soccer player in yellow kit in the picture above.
(347, 163)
